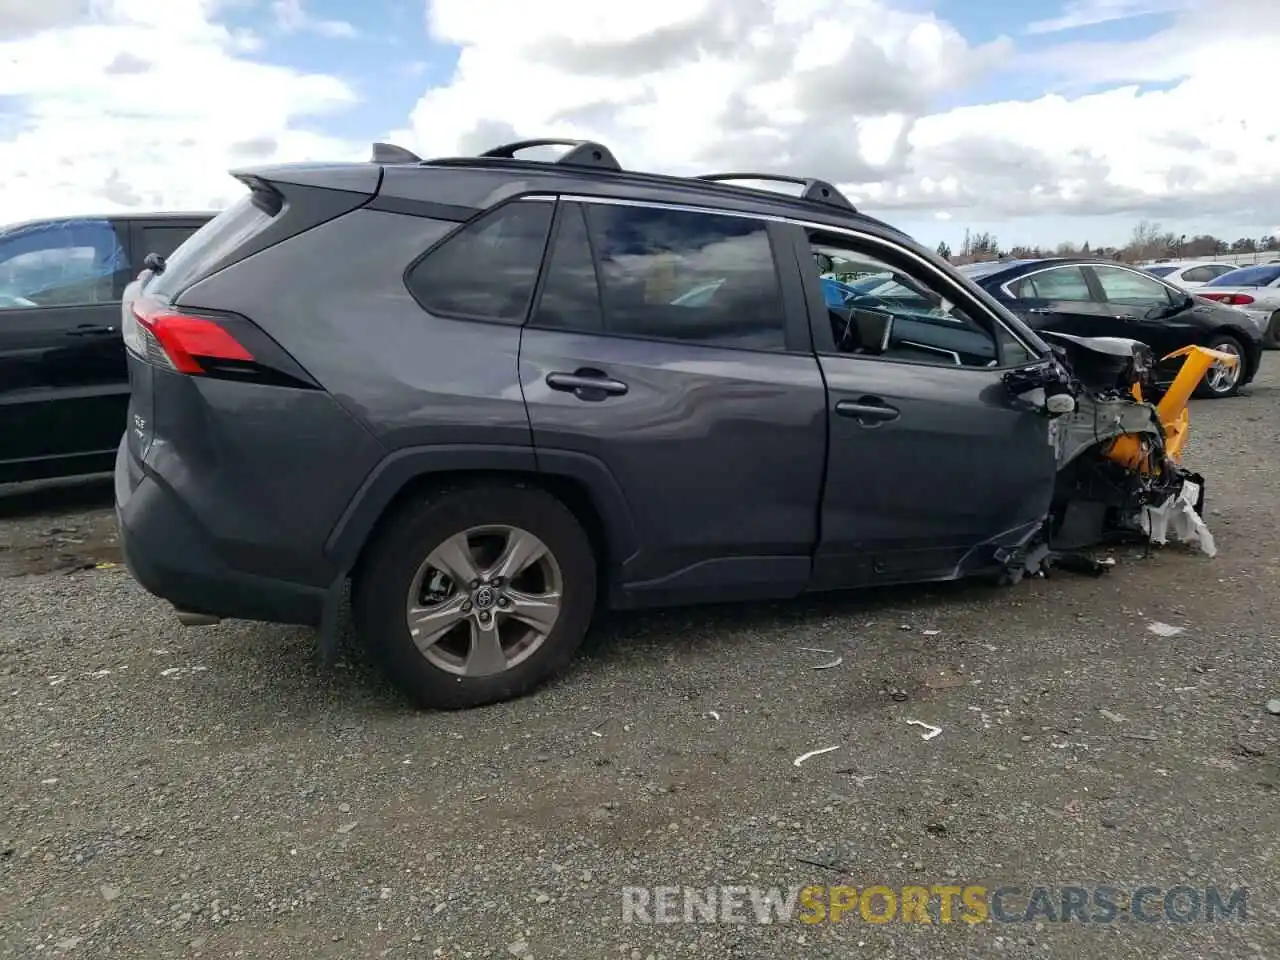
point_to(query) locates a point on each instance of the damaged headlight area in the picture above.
(1120, 477)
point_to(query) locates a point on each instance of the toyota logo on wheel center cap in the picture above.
(484, 598)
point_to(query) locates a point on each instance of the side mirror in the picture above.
(874, 329)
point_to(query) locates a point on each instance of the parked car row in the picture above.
(1188, 274)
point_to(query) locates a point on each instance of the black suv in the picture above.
(494, 393)
(64, 381)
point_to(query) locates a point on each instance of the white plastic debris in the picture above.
(181, 671)
(713, 715)
(827, 666)
(931, 731)
(1164, 629)
(1177, 518)
(812, 753)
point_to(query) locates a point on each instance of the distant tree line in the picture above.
(1148, 242)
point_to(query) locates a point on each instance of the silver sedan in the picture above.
(1253, 290)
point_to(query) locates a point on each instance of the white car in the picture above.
(1188, 274)
(1253, 290)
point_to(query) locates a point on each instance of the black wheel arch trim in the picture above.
(393, 473)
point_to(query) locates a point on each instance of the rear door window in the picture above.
(693, 277)
(1060, 283)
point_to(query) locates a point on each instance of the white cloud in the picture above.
(1089, 13)
(293, 18)
(110, 103)
(847, 90)
(144, 104)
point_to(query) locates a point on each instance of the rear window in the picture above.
(1247, 277)
(208, 246)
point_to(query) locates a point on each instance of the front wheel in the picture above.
(477, 595)
(1222, 380)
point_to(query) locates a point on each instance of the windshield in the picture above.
(1248, 277)
(1160, 271)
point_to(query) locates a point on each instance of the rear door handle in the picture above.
(868, 410)
(587, 384)
(1125, 316)
(88, 330)
(1040, 310)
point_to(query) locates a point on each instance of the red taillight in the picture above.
(1231, 299)
(186, 340)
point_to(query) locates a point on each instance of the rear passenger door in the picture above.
(1059, 299)
(665, 344)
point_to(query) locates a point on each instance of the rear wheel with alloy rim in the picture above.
(477, 595)
(1223, 379)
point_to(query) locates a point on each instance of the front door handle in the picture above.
(868, 411)
(1041, 310)
(1125, 316)
(587, 384)
(89, 330)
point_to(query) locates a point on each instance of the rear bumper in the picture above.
(1262, 320)
(173, 557)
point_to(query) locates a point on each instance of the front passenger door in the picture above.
(1143, 308)
(930, 468)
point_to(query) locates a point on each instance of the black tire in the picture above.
(1217, 341)
(1271, 339)
(381, 587)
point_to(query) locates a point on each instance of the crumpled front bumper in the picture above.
(1120, 474)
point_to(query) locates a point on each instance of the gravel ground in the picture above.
(213, 792)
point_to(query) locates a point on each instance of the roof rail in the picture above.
(390, 153)
(582, 153)
(818, 191)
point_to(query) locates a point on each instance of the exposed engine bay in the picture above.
(1120, 477)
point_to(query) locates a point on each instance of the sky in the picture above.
(1043, 121)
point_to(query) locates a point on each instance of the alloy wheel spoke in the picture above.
(485, 656)
(523, 550)
(538, 610)
(454, 558)
(427, 625)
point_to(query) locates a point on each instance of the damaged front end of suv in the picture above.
(1120, 476)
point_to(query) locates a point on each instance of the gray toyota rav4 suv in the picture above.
(495, 394)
